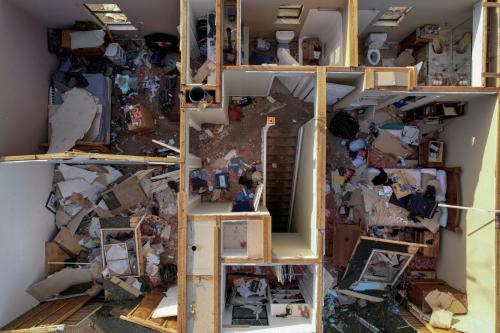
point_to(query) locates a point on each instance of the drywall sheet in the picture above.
(200, 296)
(201, 247)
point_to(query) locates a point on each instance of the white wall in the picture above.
(467, 260)
(304, 208)
(25, 226)
(25, 69)
(240, 83)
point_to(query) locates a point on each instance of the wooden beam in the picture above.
(239, 31)
(465, 89)
(182, 261)
(184, 34)
(242, 260)
(491, 75)
(90, 156)
(271, 68)
(490, 4)
(203, 218)
(298, 261)
(484, 12)
(217, 278)
(319, 282)
(320, 119)
(219, 38)
(497, 223)
(268, 240)
(369, 79)
(352, 8)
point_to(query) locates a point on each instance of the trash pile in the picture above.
(85, 110)
(229, 177)
(389, 187)
(117, 232)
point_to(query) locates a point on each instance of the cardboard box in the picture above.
(125, 195)
(67, 241)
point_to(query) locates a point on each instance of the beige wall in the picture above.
(25, 69)
(146, 15)
(467, 260)
(304, 208)
(260, 15)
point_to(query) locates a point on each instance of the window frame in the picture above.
(289, 19)
(119, 26)
(381, 22)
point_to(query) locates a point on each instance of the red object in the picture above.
(235, 113)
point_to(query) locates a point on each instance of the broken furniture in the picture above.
(124, 195)
(375, 265)
(121, 248)
(51, 316)
(420, 288)
(143, 314)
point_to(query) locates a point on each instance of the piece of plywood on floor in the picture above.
(48, 314)
(199, 298)
(84, 313)
(143, 312)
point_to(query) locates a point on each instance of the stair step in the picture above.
(273, 192)
(278, 188)
(280, 158)
(281, 142)
(280, 182)
(282, 132)
(271, 174)
(278, 205)
(278, 211)
(280, 167)
(275, 150)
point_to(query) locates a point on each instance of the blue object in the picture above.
(357, 144)
(362, 286)
(222, 180)
(393, 126)
(400, 103)
(443, 218)
(259, 59)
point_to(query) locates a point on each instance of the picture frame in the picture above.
(52, 203)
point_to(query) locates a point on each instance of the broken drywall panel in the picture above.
(66, 240)
(71, 172)
(59, 282)
(72, 120)
(168, 304)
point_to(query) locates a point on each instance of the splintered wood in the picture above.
(143, 312)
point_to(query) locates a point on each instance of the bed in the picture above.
(382, 213)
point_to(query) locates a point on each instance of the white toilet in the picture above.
(284, 37)
(374, 42)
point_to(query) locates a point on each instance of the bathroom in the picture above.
(288, 33)
(437, 37)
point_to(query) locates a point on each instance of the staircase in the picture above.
(281, 148)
